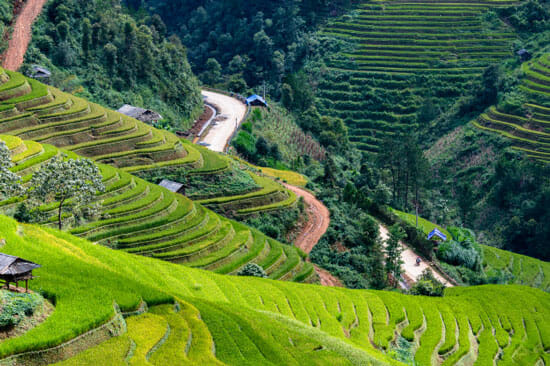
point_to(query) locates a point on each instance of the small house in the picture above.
(256, 101)
(15, 269)
(144, 115)
(436, 234)
(39, 72)
(524, 55)
(173, 186)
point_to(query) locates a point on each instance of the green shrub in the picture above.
(15, 307)
(460, 254)
(252, 269)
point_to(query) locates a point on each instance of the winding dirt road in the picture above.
(21, 35)
(316, 225)
(410, 269)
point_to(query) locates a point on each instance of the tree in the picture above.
(86, 37)
(262, 148)
(237, 84)
(252, 269)
(287, 96)
(393, 252)
(62, 180)
(110, 51)
(213, 72)
(10, 183)
(427, 285)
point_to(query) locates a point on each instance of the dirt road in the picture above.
(319, 219)
(410, 269)
(316, 226)
(231, 112)
(21, 35)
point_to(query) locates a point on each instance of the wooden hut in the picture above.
(15, 269)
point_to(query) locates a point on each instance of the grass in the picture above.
(534, 272)
(143, 218)
(290, 177)
(247, 314)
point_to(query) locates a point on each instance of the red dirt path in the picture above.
(316, 226)
(21, 35)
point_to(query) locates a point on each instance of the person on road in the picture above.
(418, 260)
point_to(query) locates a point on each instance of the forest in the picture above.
(102, 52)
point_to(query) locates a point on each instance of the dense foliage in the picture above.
(16, 307)
(252, 269)
(117, 58)
(63, 181)
(10, 183)
(6, 14)
(256, 41)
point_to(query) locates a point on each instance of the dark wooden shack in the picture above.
(15, 269)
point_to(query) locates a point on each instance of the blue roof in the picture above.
(439, 234)
(254, 98)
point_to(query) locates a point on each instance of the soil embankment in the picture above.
(21, 35)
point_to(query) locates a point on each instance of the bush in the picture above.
(17, 306)
(245, 144)
(460, 254)
(427, 285)
(252, 269)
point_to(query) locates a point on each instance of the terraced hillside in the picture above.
(37, 112)
(142, 218)
(521, 269)
(402, 55)
(238, 320)
(530, 131)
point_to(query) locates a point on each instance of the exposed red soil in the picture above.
(317, 223)
(21, 35)
(199, 123)
(327, 279)
(314, 228)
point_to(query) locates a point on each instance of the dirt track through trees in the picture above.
(316, 226)
(21, 35)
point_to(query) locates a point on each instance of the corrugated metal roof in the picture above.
(131, 111)
(10, 265)
(171, 185)
(254, 98)
(144, 115)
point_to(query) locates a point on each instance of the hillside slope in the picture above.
(142, 218)
(529, 127)
(32, 110)
(255, 321)
(404, 60)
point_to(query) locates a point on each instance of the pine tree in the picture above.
(393, 250)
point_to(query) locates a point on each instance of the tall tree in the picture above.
(62, 180)
(393, 250)
(10, 183)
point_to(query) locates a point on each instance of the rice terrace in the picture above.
(314, 182)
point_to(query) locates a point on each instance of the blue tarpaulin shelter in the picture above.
(437, 233)
(256, 100)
